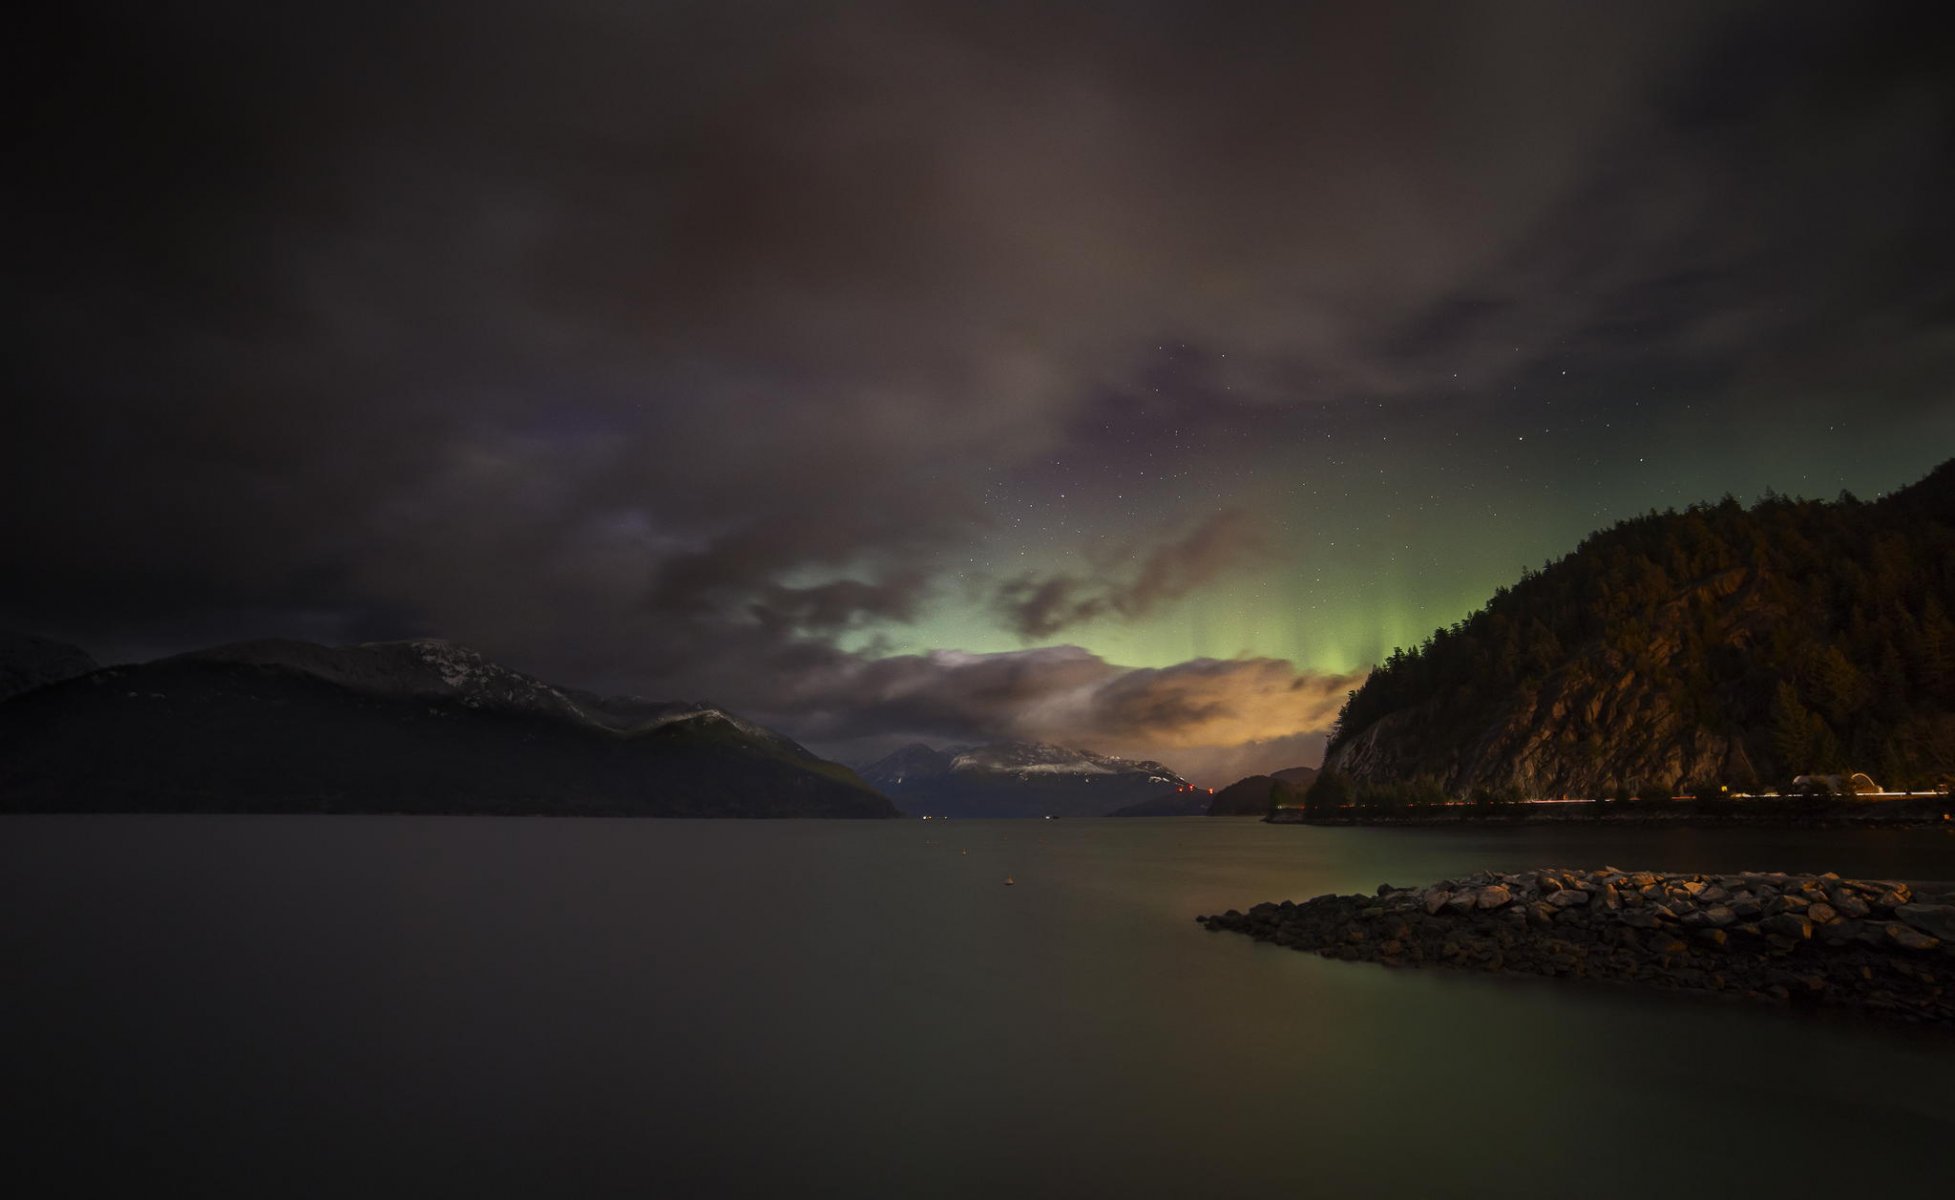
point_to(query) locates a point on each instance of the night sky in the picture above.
(1129, 375)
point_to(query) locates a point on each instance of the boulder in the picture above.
(1840, 932)
(1436, 899)
(1463, 901)
(1850, 904)
(1892, 898)
(1789, 925)
(1822, 913)
(1719, 915)
(1909, 938)
(1568, 898)
(1935, 920)
(1496, 896)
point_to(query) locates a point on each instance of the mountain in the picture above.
(1016, 779)
(1299, 778)
(1187, 801)
(1720, 645)
(1252, 796)
(1257, 794)
(28, 662)
(1248, 797)
(422, 726)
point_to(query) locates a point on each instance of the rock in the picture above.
(1748, 909)
(1850, 904)
(1840, 932)
(1909, 938)
(1935, 920)
(1805, 950)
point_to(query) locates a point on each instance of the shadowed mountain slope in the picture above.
(424, 727)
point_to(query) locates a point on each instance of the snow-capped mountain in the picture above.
(420, 726)
(1016, 779)
(428, 668)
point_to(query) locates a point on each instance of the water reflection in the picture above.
(247, 1005)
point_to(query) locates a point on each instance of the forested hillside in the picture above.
(1720, 645)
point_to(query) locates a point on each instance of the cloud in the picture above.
(670, 348)
(1038, 607)
(1064, 694)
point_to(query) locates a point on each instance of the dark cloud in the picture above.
(1067, 694)
(1039, 607)
(675, 347)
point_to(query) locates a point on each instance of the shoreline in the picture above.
(1879, 948)
(1937, 812)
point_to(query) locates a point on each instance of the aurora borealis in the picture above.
(1126, 375)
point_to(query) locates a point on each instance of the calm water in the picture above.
(272, 1006)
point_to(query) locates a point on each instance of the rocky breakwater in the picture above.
(1797, 940)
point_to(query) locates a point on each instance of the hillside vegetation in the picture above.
(1719, 646)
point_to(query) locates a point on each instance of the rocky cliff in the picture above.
(1717, 646)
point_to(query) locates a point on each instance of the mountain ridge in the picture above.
(433, 727)
(1718, 646)
(1016, 779)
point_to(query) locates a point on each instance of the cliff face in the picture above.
(1718, 646)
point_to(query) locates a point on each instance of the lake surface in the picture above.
(340, 1005)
